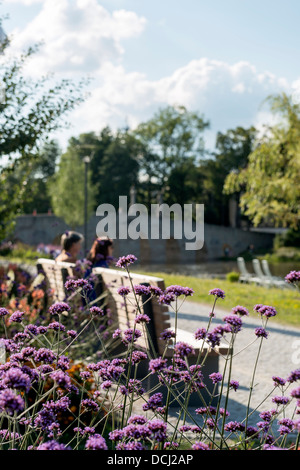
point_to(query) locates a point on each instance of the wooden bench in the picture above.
(55, 274)
(123, 310)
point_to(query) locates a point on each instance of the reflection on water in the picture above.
(215, 268)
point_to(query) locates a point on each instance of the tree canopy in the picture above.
(30, 112)
(270, 181)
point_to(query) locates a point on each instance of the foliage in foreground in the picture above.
(55, 394)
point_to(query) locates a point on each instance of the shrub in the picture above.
(233, 276)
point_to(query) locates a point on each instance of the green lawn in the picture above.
(286, 301)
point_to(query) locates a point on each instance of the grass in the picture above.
(286, 301)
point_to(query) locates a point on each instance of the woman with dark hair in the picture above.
(100, 254)
(70, 247)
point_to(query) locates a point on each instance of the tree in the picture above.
(67, 188)
(171, 137)
(35, 193)
(30, 112)
(232, 151)
(119, 169)
(270, 182)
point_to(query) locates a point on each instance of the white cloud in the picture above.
(227, 95)
(24, 2)
(77, 35)
(81, 37)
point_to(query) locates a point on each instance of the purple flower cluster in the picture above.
(265, 310)
(179, 290)
(75, 284)
(123, 291)
(261, 332)
(154, 402)
(97, 311)
(139, 289)
(200, 333)
(234, 322)
(16, 379)
(200, 446)
(59, 307)
(17, 317)
(125, 261)
(216, 377)
(293, 277)
(96, 442)
(10, 402)
(131, 336)
(158, 364)
(142, 318)
(172, 292)
(182, 349)
(3, 312)
(166, 335)
(239, 310)
(218, 293)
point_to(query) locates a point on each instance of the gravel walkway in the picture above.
(280, 355)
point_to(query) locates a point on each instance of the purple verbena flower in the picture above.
(167, 335)
(234, 384)
(200, 446)
(123, 291)
(153, 402)
(59, 307)
(3, 312)
(17, 317)
(96, 442)
(10, 402)
(278, 381)
(200, 333)
(158, 429)
(142, 318)
(293, 277)
(294, 376)
(280, 400)
(265, 310)
(16, 379)
(216, 377)
(219, 293)
(239, 310)
(125, 261)
(261, 332)
(97, 311)
(234, 322)
(141, 290)
(183, 349)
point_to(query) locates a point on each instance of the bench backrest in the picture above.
(56, 274)
(123, 309)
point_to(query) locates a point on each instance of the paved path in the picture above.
(280, 355)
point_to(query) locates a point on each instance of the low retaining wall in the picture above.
(47, 229)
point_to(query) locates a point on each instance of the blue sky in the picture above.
(219, 57)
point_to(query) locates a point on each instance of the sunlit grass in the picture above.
(286, 301)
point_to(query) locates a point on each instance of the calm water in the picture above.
(215, 268)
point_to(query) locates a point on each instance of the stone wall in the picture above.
(47, 229)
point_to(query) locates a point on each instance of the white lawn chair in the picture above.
(259, 273)
(276, 280)
(245, 276)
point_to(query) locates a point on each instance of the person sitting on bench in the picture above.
(100, 254)
(71, 247)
